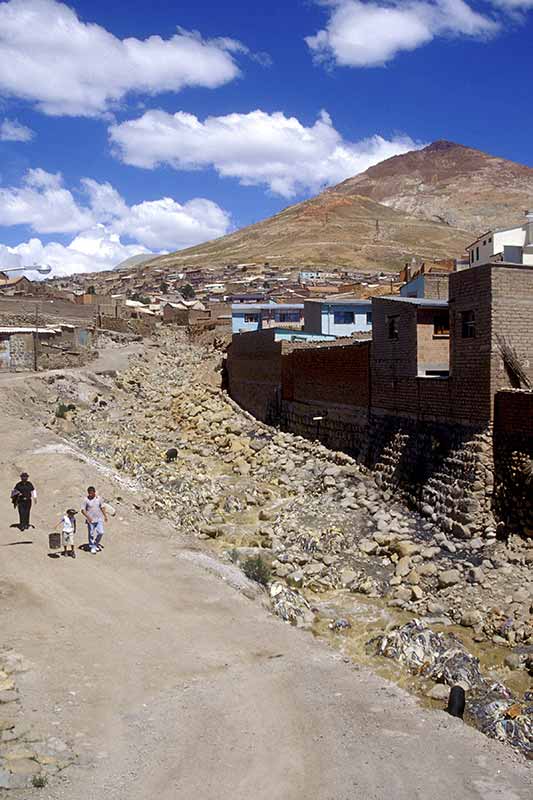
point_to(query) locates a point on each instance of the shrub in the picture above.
(39, 781)
(62, 409)
(257, 569)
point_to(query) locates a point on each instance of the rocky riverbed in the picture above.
(317, 519)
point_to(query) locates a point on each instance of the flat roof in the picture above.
(348, 301)
(265, 306)
(425, 302)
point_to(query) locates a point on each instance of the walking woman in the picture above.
(22, 496)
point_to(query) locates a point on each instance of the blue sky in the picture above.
(113, 143)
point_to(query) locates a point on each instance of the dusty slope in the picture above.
(448, 182)
(173, 685)
(329, 230)
(353, 224)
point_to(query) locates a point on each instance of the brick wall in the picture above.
(338, 375)
(433, 350)
(512, 316)
(436, 286)
(513, 455)
(253, 370)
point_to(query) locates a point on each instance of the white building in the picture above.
(512, 245)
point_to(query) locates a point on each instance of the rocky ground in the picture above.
(319, 523)
(27, 756)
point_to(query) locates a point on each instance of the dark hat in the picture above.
(24, 475)
(71, 511)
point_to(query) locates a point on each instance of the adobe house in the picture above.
(14, 286)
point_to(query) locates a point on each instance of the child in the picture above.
(69, 530)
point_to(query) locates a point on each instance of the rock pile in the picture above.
(317, 517)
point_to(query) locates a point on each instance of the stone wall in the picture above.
(140, 327)
(21, 347)
(446, 470)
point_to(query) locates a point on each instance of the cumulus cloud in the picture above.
(13, 131)
(68, 67)
(370, 34)
(92, 251)
(46, 206)
(256, 148)
(165, 223)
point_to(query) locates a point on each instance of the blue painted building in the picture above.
(247, 317)
(338, 317)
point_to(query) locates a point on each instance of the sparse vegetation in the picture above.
(257, 569)
(39, 781)
(62, 409)
(187, 292)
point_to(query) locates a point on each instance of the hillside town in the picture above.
(336, 443)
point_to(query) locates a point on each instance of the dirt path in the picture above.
(174, 685)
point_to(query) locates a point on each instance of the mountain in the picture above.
(134, 261)
(427, 203)
(450, 183)
(331, 229)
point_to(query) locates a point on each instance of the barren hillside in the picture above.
(428, 203)
(450, 183)
(331, 229)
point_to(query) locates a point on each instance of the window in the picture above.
(343, 317)
(471, 256)
(468, 325)
(441, 323)
(392, 326)
(477, 253)
(369, 318)
(289, 316)
(251, 317)
(484, 242)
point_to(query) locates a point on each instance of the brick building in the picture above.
(417, 404)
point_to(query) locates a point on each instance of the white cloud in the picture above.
(370, 34)
(43, 203)
(165, 223)
(93, 251)
(13, 131)
(257, 148)
(46, 206)
(69, 67)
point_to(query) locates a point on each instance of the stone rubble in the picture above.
(317, 516)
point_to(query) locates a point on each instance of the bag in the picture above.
(55, 541)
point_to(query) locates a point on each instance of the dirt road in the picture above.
(173, 685)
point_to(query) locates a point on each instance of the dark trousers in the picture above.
(24, 508)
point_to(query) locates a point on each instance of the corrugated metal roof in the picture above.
(11, 330)
(348, 301)
(416, 301)
(266, 306)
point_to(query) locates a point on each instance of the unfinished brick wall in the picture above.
(512, 301)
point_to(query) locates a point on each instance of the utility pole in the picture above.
(36, 338)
